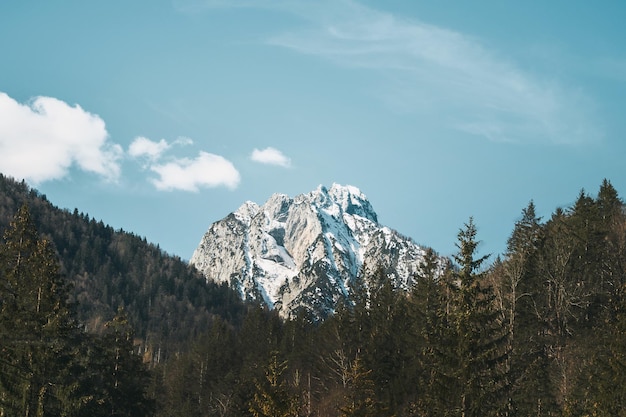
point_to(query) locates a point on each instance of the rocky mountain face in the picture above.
(305, 252)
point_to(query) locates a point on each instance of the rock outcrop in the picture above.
(305, 252)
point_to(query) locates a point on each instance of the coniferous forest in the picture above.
(96, 321)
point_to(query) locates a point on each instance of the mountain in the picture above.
(305, 253)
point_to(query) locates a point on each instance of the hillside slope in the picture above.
(167, 301)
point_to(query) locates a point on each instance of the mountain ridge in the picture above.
(305, 252)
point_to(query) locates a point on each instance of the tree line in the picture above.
(540, 331)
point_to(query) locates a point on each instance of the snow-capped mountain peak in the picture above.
(247, 211)
(353, 201)
(305, 252)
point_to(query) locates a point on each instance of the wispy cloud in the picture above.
(142, 147)
(184, 174)
(42, 139)
(441, 73)
(270, 156)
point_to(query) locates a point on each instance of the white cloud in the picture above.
(207, 170)
(42, 140)
(270, 156)
(144, 147)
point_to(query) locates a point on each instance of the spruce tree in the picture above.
(611, 247)
(390, 347)
(427, 310)
(600, 386)
(564, 297)
(38, 333)
(480, 338)
(118, 377)
(609, 204)
(360, 398)
(273, 397)
(48, 365)
(522, 286)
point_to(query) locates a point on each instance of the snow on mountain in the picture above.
(305, 252)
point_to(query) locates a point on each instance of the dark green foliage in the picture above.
(116, 375)
(541, 331)
(48, 365)
(430, 322)
(165, 299)
(564, 311)
(38, 333)
(478, 349)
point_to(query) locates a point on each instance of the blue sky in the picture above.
(161, 117)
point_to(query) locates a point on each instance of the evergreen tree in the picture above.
(49, 366)
(354, 320)
(119, 378)
(480, 345)
(609, 204)
(360, 399)
(611, 247)
(602, 385)
(427, 311)
(38, 332)
(562, 301)
(390, 346)
(522, 288)
(273, 397)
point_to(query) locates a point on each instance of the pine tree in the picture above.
(38, 332)
(49, 366)
(354, 320)
(564, 297)
(602, 387)
(521, 287)
(480, 338)
(428, 316)
(273, 397)
(124, 377)
(390, 348)
(610, 249)
(609, 204)
(360, 399)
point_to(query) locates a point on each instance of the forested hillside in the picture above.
(538, 331)
(166, 301)
(49, 366)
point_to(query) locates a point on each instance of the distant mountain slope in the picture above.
(304, 253)
(167, 301)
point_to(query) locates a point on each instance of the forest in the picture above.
(129, 331)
